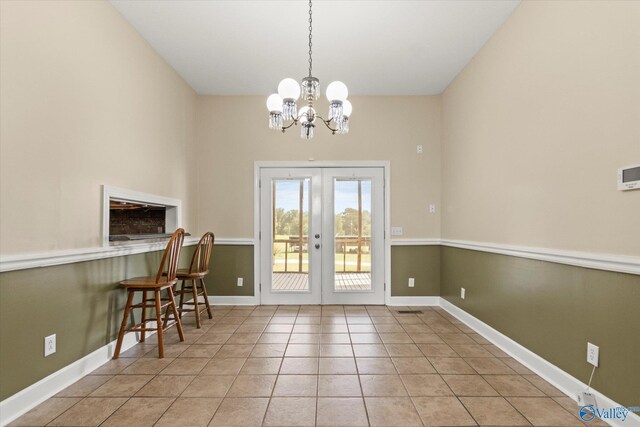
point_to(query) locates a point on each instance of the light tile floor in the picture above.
(312, 366)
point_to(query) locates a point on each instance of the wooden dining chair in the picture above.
(193, 279)
(163, 281)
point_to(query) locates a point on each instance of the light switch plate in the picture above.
(396, 231)
(412, 282)
(240, 281)
(463, 292)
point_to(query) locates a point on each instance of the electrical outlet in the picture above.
(240, 281)
(49, 345)
(412, 282)
(462, 292)
(419, 149)
(586, 399)
(432, 208)
(593, 354)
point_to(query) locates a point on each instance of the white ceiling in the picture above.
(242, 47)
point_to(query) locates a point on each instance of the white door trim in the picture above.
(385, 164)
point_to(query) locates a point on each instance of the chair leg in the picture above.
(144, 316)
(181, 297)
(123, 327)
(194, 289)
(159, 324)
(206, 298)
(172, 305)
(167, 313)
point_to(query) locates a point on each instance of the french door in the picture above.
(322, 235)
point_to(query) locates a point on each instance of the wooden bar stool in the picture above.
(163, 281)
(195, 275)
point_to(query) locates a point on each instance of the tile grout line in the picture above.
(318, 375)
(264, 416)
(404, 385)
(364, 401)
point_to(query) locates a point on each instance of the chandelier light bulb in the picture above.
(337, 91)
(307, 114)
(346, 108)
(274, 103)
(289, 89)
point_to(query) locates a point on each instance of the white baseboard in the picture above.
(30, 397)
(413, 301)
(252, 300)
(564, 382)
(234, 300)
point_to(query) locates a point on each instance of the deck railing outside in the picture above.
(344, 244)
(295, 245)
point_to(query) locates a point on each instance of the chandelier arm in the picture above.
(293, 123)
(326, 123)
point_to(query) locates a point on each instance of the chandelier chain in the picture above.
(310, 43)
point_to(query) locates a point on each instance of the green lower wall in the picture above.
(420, 262)
(553, 310)
(81, 303)
(227, 264)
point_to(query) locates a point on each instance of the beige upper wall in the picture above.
(84, 101)
(233, 133)
(536, 126)
(534, 129)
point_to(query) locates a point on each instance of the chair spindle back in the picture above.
(202, 254)
(171, 256)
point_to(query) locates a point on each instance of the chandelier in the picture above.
(283, 108)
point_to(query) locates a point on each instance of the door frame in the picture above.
(384, 164)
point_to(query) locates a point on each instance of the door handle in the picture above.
(317, 236)
(317, 245)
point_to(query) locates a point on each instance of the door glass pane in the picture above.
(352, 210)
(290, 222)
